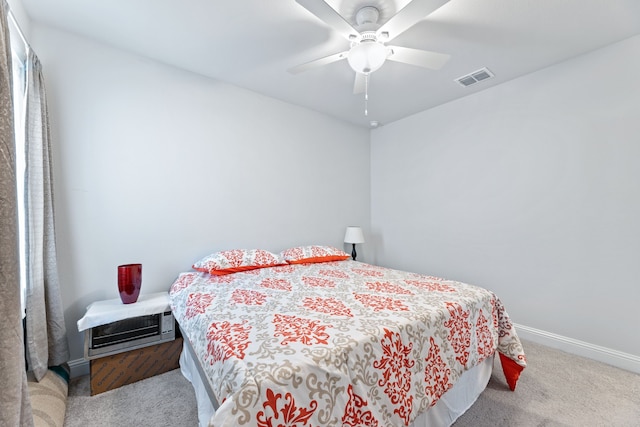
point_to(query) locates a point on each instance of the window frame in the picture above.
(19, 56)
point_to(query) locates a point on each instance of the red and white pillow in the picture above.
(236, 260)
(313, 253)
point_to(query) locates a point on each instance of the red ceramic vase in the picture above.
(129, 282)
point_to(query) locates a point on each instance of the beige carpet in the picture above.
(163, 400)
(557, 389)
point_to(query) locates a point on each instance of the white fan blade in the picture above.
(359, 83)
(413, 12)
(318, 62)
(327, 14)
(421, 58)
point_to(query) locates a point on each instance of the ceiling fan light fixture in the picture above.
(367, 56)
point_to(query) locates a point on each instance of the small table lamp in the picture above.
(354, 235)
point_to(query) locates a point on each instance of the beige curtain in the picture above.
(15, 409)
(46, 332)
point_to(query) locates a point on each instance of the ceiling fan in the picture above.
(369, 51)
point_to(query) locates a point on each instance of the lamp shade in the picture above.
(367, 57)
(354, 235)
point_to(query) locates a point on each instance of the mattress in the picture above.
(338, 343)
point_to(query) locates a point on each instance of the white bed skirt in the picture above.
(451, 405)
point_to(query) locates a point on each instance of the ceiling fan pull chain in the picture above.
(366, 94)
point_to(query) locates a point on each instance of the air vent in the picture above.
(475, 77)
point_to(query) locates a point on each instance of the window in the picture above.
(19, 51)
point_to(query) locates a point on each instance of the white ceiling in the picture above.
(252, 43)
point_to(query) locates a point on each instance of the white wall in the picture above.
(531, 189)
(160, 166)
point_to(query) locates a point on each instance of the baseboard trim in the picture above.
(79, 367)
(606, 355)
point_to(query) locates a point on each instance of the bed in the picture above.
(309, 337)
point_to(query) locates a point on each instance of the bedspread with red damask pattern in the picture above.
(337, 343)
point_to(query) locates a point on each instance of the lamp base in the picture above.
(353, 252)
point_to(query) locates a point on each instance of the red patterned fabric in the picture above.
(236, 260)
(436, 373)
(282, 411)
(313, 253)
(338, 343)
(396, 364)
(298, 329)
(198, 303)
(355, 413)
(227, 340)
(327, 305)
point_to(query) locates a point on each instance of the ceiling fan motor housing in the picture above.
(367, 15)
(367, 19)
(367, 54)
